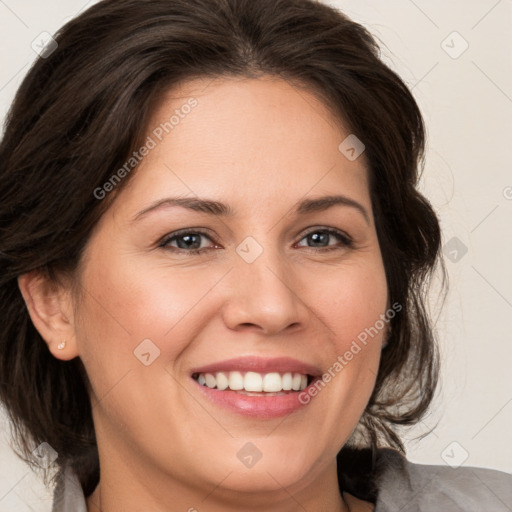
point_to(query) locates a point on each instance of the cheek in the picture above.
(136, 301)
(352, 300)
(127, 303)
(353, 307)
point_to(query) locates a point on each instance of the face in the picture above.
(272, 283)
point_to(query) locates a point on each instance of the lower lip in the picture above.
(272, 406)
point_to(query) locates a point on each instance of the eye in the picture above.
(188, 241)
(320, 239)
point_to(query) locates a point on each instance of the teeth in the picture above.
(253, 382)
(296, 381)
(222, 381)
(287, 381)
(236, 381)
(273, 382)
(211, 382)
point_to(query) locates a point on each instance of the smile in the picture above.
(256, 387)
(272, 382)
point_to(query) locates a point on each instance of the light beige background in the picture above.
(467, 105)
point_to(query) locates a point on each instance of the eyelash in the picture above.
(347, 242)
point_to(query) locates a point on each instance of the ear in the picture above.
(51, 309)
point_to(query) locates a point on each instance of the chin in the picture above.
(252, 470)
(266, 478)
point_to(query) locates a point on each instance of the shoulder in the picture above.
(405, 486)
(68, 495)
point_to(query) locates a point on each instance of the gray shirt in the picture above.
(394, 484)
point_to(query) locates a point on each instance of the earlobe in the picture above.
(50, 310)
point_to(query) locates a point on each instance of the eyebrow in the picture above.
(212, 207)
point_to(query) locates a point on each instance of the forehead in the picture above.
(256, 141)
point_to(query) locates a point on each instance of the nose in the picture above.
(263, 296)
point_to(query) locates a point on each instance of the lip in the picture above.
(263, 407)
(260, 406)
(260, 365)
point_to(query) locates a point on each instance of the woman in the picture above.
(215, 259)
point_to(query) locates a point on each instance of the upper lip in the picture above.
(260, 365)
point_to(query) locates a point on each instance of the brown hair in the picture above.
(81, 112)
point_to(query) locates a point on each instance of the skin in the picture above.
(259, 145)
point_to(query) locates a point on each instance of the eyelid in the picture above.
(346, 240)
(329, 229)
(186, 231)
